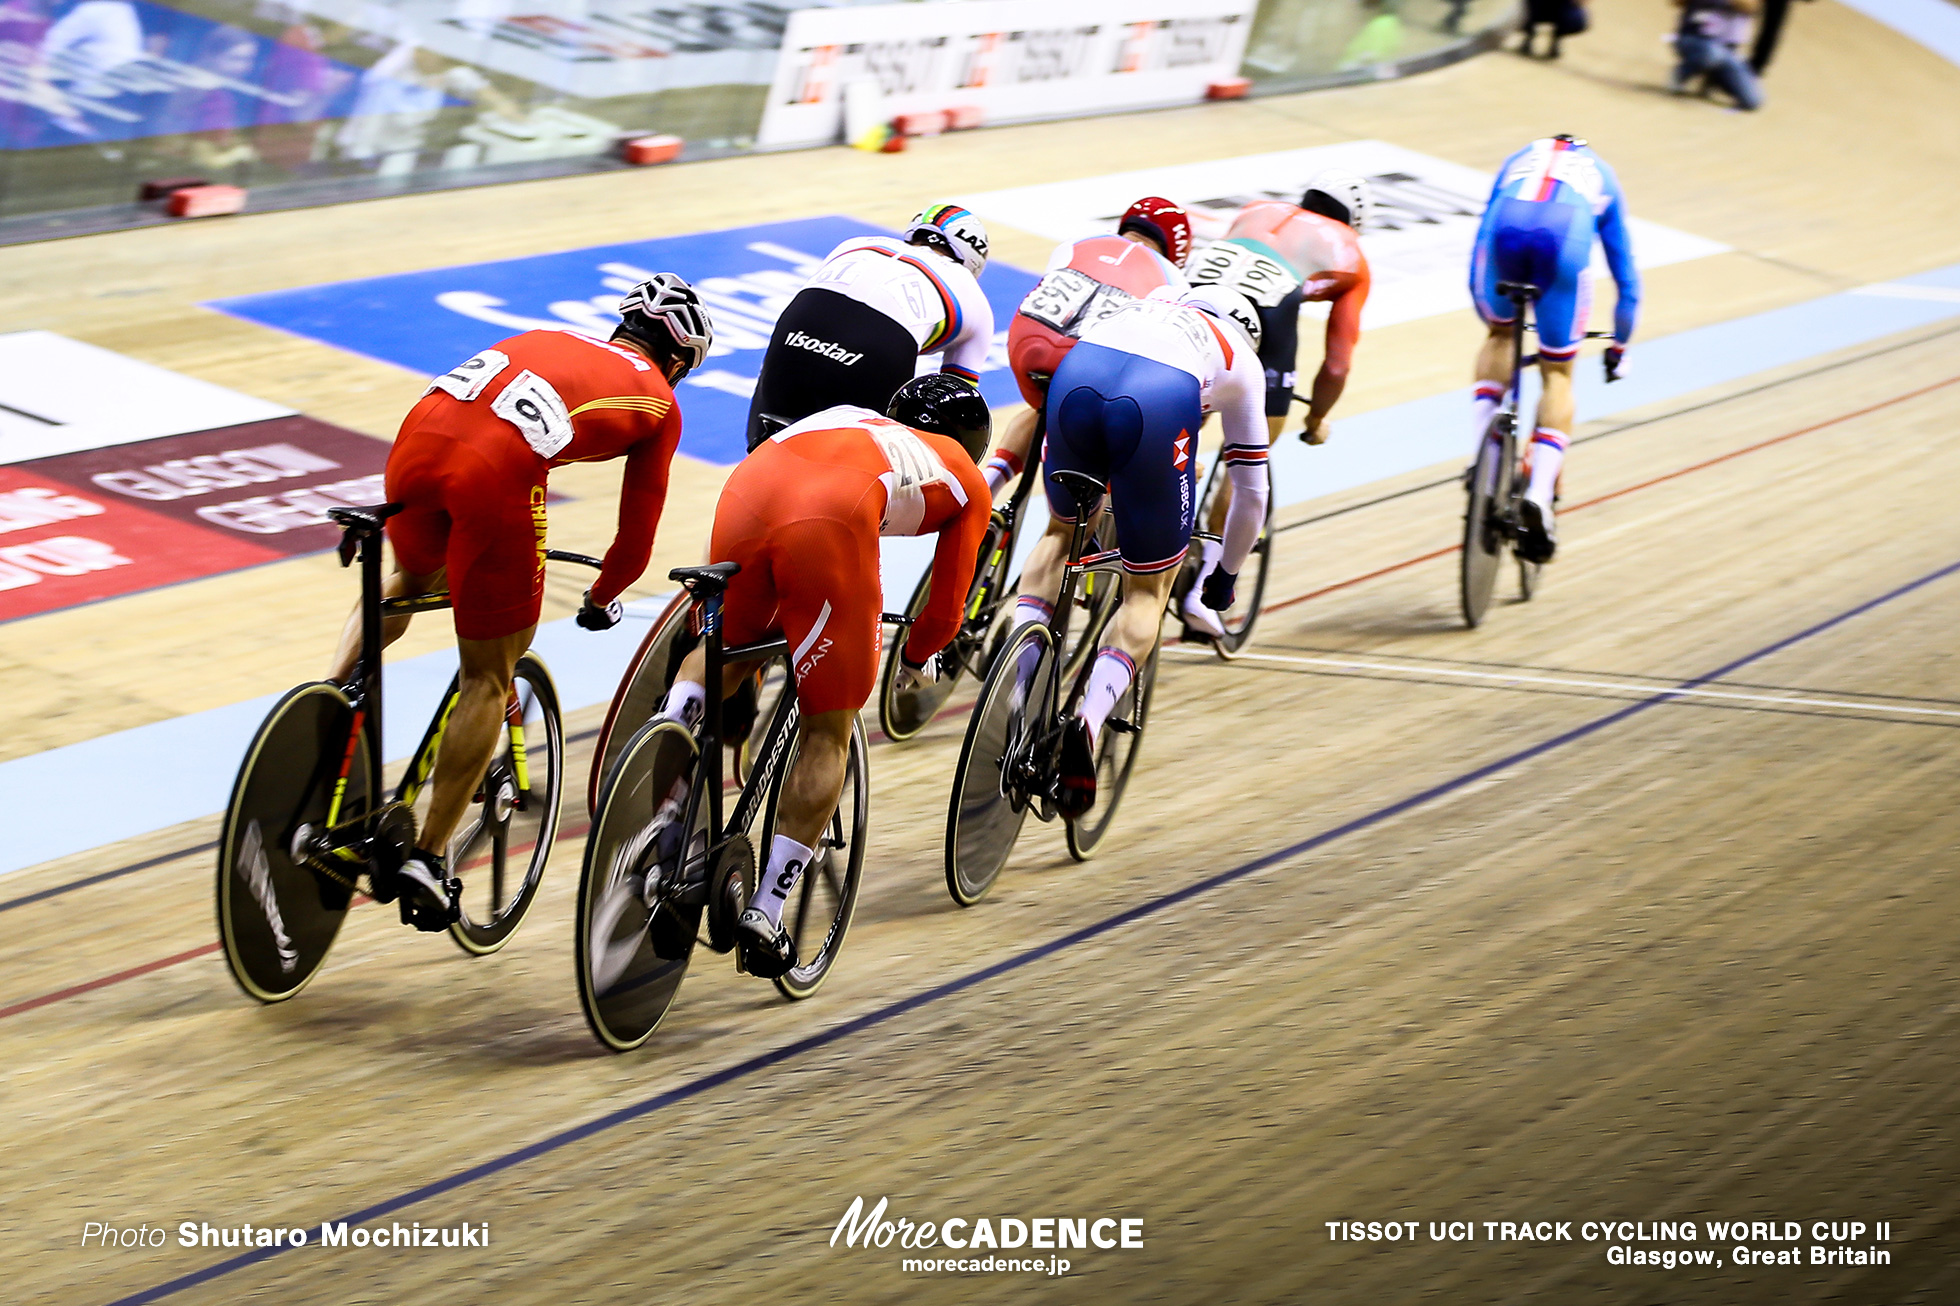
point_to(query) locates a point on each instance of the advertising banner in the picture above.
(117, 476)
(429, 321)
(1425, 219)
(1011, 59)
(113, 70)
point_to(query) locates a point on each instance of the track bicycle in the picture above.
(306, 820)
(661, 861)
(1010, 762)
(1495, 483)
(903, 713)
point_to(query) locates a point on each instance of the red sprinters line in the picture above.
(1433, 554)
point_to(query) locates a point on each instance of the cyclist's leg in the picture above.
(417, 478)
(1499, 315)
(827, 582)
(1032, 350)
(748, 608)
(1563, 315)
(475, 726)
(1074, 444)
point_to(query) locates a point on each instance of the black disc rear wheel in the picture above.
(631, 959)
(1483, 543)
(277, 916)
(988, 805)
(500, 849)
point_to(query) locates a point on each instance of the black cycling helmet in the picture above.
(945, 405)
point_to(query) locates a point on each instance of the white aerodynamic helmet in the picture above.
(1224, 302)
(953, 229)
(1348, 192)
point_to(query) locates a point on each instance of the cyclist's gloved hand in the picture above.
(1615, 361)
(913, 677)
(593, 616)
(1220, 588)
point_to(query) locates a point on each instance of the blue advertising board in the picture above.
(114, 70)
(429, 321)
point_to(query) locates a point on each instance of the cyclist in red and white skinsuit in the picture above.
(803, 515)
(470, 466)
(1085, 280)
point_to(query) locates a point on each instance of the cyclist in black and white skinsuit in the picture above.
(854, 335)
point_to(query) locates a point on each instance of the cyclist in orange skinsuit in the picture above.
(1280, 255)
(469, 467)
(803, 515)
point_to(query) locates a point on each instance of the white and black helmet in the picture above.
(954, 230)
(666, 314)
(1224, 302)
(1343, 190)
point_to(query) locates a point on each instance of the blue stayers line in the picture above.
(891, 1011)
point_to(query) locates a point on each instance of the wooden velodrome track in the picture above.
(1399, 922)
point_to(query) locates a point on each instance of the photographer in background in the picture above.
(1708, 44)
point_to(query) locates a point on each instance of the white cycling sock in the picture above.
(787, 858)
(1209, 553)
(686, 703)
(1547, 457)
(1108, 679)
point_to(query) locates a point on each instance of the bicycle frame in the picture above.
(775, 743)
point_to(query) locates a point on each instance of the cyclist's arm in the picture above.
(952, 562)
(1343, 333)
(1618, 243)
(1240, 402)
(967, 353)
(643, 493)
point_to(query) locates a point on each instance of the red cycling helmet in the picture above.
(1162, 220)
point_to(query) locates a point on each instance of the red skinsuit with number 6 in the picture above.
(472, 458)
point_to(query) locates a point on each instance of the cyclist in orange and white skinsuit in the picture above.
(469, 468)
(1085, 281)
(803, 515)
(1280, 255)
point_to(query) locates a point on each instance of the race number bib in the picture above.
(467, 379)
(1238, 267)
(531, 405)
(913, 467)
(1060, 298)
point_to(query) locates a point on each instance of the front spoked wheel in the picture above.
(278, 910)
(902, 714)
(1116, 757)
(638, 911)
(1243, 615)
(1483, 540)
(828, 894)
(501, 848)
(990, 799)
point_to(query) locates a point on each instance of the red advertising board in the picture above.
(102, 522)
(60, 547)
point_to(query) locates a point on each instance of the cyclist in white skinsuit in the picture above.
(854, 335)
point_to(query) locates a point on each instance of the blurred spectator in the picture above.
(213, 113)
(1379, 39)
(400, 96)
(1564, 18)
(1767, 30)
(1709, 45)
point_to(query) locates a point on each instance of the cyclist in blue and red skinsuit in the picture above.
(1550, 200)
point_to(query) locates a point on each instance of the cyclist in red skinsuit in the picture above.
(469, 467)
(803, 515)
(1153, 241)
